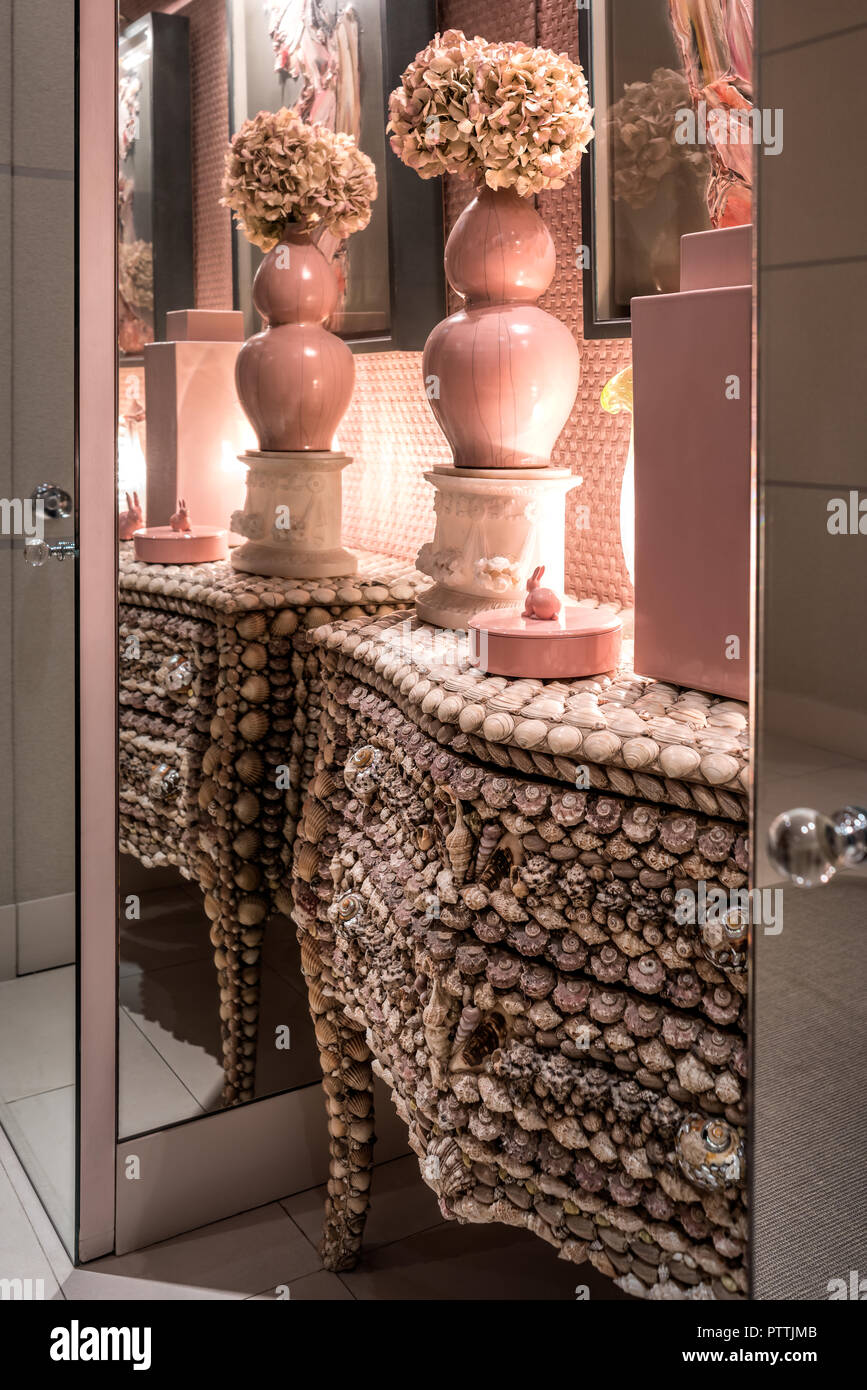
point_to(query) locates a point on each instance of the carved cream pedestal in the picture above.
(292, 516)
(494, 526)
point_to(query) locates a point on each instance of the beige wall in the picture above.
(6, 845)
(37, 206)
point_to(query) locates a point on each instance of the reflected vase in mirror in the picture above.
(295, 379)
(284, 180)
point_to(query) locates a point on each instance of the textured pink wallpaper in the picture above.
(393, 437)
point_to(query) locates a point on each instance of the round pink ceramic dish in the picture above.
(580, 642)
(160, 545)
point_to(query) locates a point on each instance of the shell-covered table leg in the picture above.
(347, 1081)
(237, 956)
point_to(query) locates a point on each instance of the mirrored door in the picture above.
(38, 623)
(810, 978)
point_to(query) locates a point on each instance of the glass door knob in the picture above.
(56, 501)
(808, 847)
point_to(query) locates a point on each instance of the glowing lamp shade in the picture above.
(617, 396)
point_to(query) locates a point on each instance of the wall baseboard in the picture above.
(45, 933)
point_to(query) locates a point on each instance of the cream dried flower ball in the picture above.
(282, 172)
(500, 113)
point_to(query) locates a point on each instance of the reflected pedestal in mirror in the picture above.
(293, 516)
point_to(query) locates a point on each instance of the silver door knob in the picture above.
(56, 501)
(809, 848)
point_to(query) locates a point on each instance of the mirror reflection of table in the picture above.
(217, 744)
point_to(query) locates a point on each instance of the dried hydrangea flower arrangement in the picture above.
(500, 113)
(281, 172)
(291, 184)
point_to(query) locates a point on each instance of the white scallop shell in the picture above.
(718, 741)
(472, 716)
(584, 718)
(687, 714)
(498, 728)
(678, 761)
(544, 708)
(727, 719)
(508, 701)
(640, 752)
(600, 746)
(625, 722)
(430, 700)
(449, 709)
(529, 733)
(717, 768)
(563, 740)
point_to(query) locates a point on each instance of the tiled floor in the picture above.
(270, 1253)
(169, 1066)
(170, 1071)
(37, 1082)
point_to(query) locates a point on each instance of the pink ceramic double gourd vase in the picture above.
(502, 374)
(295, 379)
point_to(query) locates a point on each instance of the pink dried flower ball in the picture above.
(280, 171)
(500, 113)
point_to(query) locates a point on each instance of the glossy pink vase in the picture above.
(502, 375)
(295, 379)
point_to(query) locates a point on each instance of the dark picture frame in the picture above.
(594, 326)
(413, 227)
(161, 160)
(633, 220)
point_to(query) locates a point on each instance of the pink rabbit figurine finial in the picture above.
(541, 603)
(181, 521)
(130, 520)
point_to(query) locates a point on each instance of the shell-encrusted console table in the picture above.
(485, 884)
(217, 739)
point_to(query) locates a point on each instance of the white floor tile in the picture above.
(239, 1257)
(37, 1033)
(57, 1253)
(43, 1127)
(177, 1009)
(150, 1095)
(21, 1255)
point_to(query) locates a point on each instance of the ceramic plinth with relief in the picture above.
(493, 529)
(292, 518)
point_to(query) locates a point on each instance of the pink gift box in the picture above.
(692, 396)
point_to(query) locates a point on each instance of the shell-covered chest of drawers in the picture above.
(217, 741)
(489, 882)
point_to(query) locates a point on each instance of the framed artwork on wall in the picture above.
(155, 200)
(653, 173)
(337, 62)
